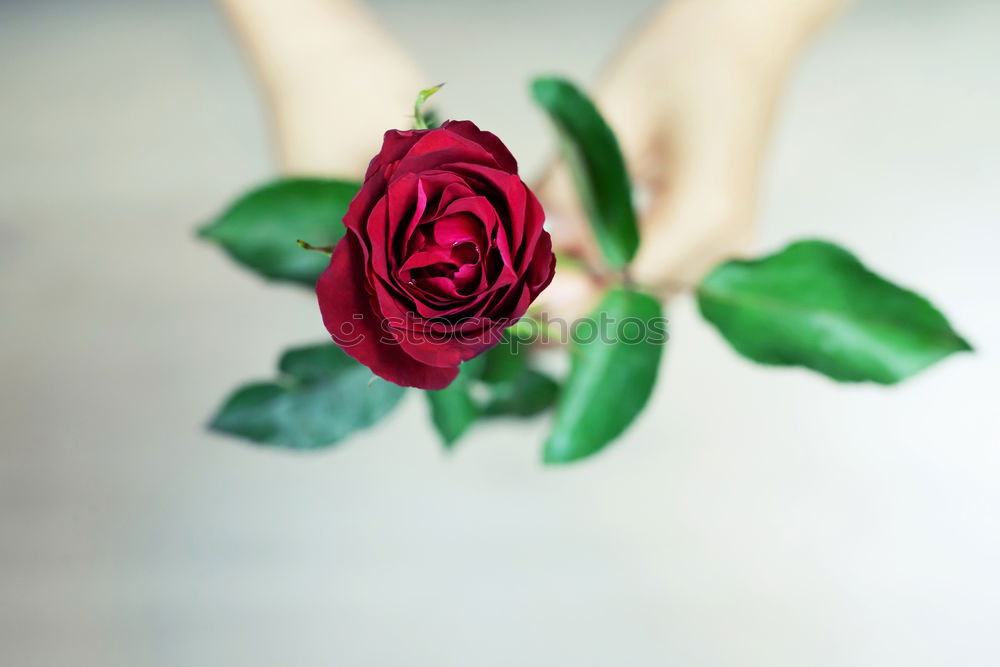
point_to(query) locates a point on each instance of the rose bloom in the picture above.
(444, 249)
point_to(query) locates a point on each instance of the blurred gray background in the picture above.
(753, 517)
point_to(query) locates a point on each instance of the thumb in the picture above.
(686, 234)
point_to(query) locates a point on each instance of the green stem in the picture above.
(419, 122)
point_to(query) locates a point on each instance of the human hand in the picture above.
(333, 78)
(691, 100)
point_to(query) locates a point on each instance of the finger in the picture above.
(686, 234)
(706, 212)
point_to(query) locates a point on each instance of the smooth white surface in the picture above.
(753, 517)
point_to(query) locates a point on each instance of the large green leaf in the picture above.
(322, 396)
(814, 304)
(453, 409)
(615, 357)
(261, 228)
(592, 152)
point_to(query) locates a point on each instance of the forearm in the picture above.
(331, 77)
(769, 33)
(762, 37)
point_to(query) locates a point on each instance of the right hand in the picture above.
(691, 100)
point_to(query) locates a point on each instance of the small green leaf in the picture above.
(453, 409)
(421, 121)
(814, 304)
(530, 393)
(322, 397)
(615, 357)
(514, 388)
(261, 229)
(507, 360)
(592, 152)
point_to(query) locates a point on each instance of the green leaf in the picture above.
(261, 229)
(530, 393)
(453, 409)
(592, 152)
(514, 388)
(615, 357)
(814, 304)
(322, 397)
(507, 360)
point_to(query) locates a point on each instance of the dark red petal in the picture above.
(475, 205)
(455, 190)
(533, 228)
(469, 279)
(542, 267)
(358, 329)
(439, 285)
(454, 230)
(439, 139)
(395, 144)
(427, 192)
(447, 348)
(487, 140)
(440, 160)
(377, 230)
(427, 257)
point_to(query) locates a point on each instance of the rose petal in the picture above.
(487, 140)
(352, 324)
(457, 229)
(447, 349)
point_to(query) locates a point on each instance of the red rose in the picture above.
(444, 249)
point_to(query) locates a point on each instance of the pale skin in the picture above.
(691, 97)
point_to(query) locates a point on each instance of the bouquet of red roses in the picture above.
(426, 272)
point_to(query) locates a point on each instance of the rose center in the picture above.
(447, 256)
